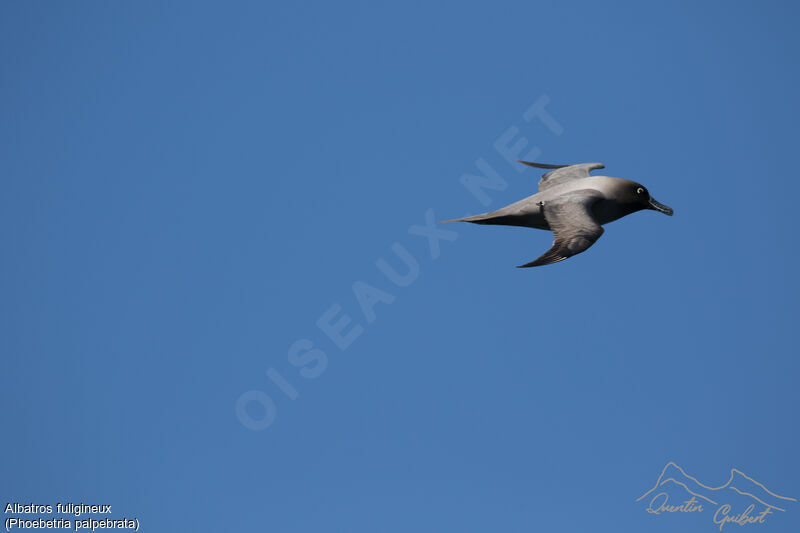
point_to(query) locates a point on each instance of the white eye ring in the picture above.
(639, 190)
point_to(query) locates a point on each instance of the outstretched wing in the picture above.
(563, 173)
(574, 228)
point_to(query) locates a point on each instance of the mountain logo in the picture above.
(741, 500)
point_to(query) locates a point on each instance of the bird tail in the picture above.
(494, 217)
(465, 219)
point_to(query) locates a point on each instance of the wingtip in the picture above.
(542, 261)
(540, 165)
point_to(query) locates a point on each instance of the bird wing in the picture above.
(574, 228)
(563, 173)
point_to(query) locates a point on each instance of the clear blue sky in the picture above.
(188, 187)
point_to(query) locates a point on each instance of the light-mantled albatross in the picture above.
(574, 206)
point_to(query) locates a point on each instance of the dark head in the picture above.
(638, 197)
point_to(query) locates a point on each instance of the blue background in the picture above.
(188, 187)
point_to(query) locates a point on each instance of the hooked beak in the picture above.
(660, 207)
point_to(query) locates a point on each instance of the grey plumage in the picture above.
(574, 206)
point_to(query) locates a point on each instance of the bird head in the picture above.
(637, 195)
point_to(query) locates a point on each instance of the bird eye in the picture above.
(639, 190)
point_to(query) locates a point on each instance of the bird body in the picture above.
(529, 212)
(573, 205)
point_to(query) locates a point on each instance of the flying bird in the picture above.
(574, 206)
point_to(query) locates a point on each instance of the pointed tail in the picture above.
(474, 218)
